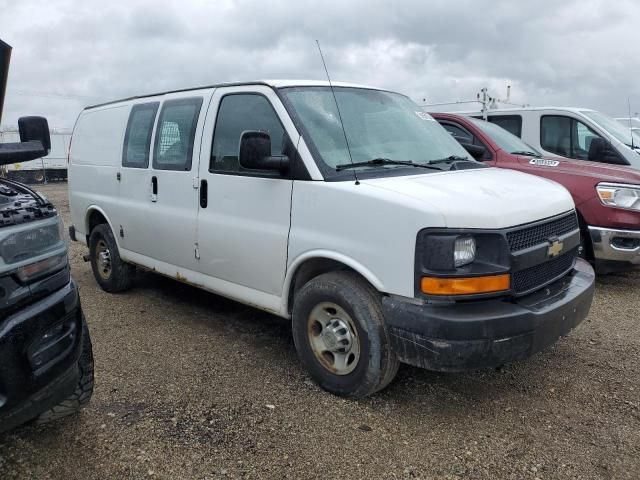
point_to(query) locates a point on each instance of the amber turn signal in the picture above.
(465, 286)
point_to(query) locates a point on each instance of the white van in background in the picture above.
(368, 225)
(568, 133)
(50, 168)
(632, 123)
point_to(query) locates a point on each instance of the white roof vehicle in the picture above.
(345, 208)
(568, 132)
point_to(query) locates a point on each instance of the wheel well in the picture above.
(584, 232)
(312, 268)
(95, 219)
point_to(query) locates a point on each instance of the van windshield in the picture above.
(613, 127)
(378, 125)
(504, 139)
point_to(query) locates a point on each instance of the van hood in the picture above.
(482, 198)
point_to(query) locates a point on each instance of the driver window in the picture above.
(566, 136)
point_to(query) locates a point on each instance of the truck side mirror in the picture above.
(255, 152)
(600, 150)
(35, 128)
(476, 151)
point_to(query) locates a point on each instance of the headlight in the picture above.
(31, 240)
(464, 251)
(619, 195)
(43, 267)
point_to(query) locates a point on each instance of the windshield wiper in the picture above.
(383, 161)
(527, 153)
(452, 158)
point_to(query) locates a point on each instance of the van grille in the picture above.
(537, 276)
(536, 234)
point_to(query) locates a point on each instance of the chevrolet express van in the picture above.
(346, 209)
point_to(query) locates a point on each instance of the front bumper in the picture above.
(477, 334)
(610, 251)
(39, 350)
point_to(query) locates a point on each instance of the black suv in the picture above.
(46, 361)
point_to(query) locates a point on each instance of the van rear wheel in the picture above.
(341, 337)
(112, 274)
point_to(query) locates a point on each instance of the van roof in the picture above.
(268, 83)
(522, 109)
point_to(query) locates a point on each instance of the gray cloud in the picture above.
(577, 52)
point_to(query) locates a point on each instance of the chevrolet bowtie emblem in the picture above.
(555, 247)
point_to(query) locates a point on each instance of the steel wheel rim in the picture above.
(103, 259)
(333, 338)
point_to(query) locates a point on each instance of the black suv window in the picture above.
(236, 114)
(511, 123)
(137, 138)
(175, 133)
(566, 136)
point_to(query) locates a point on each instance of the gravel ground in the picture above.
(191, 385)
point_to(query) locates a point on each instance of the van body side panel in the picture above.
(94, 160)
(375, 228)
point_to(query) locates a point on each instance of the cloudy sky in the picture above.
(70, 53)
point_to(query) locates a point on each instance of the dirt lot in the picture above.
(191, 385)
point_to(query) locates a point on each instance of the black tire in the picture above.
(82, 394)
(377, 365)
(119, 276)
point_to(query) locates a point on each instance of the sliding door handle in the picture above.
(204, 193)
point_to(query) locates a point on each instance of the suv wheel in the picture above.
(112, 274)
(82, 394)
(341, 337)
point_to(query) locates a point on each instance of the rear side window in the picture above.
(175, 134)
(237, 113)
(137, 139)
(511, 123)
(458, 133)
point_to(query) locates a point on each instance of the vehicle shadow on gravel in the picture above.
(268, 338)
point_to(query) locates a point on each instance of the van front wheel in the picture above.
(341, 337)
(112, 274)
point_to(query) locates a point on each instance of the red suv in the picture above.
(607, 196)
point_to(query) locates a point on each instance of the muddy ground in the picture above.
(191, 385)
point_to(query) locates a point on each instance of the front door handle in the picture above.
(154, 189)
(204, 194)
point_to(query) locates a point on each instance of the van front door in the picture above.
(244, 215)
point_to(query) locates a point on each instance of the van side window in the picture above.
(511, 123)
(237, 113)
(137, 138)
(175, 133)
(566, 136)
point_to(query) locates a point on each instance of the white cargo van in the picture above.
(368, 225)
(566, 132)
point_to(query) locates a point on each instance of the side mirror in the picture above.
(35, 128)
(255, 152)
(600, 150)
(476, 151)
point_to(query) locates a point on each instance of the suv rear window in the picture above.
(137, 139)
(175, 134)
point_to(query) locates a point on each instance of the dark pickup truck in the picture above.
(46, 360)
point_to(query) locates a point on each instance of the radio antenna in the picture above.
(335, 99)
(630, 123)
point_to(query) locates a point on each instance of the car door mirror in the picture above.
(600, 150)
(476, 151)
(35, 129)
(255, 152)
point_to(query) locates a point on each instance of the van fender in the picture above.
(96, 208)
(326, 255)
